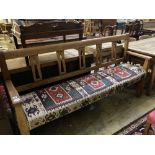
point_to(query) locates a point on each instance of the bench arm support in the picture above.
(17, 104)
(146, 58)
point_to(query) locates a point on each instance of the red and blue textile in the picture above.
(42, 106)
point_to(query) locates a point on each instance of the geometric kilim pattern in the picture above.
(45, 105)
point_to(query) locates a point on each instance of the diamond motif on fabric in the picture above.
(94, 83)
(121, 73)
(59, 95)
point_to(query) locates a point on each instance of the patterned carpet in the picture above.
(136, 127)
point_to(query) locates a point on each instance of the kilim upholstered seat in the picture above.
(44, 105)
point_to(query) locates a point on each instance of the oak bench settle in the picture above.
(50, 101)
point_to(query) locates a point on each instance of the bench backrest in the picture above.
(35, 66)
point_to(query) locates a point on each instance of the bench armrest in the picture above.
(12, 92)
(139, 55)
(145, 57)
(17, 103)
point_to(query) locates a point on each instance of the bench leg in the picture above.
(152, 78)
(21, 120)
(140, 88)
(147, 127)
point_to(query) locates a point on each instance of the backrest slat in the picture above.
(61, 62)
(98, 54)
(82, 59)
(126, 44)
(113, 51)
(63, 46)
(35, 67)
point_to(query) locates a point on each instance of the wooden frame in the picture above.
(33, 53)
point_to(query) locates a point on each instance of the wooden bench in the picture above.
(43, 100)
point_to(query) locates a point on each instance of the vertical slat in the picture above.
(126, 44)
(35, 66)
(113, 54)
(82, 60)
(61, 62)
(98, 54)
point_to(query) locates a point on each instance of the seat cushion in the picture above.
(44, 105)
